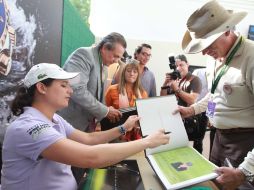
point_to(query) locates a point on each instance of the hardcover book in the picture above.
(176, 164)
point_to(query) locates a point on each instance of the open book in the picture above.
(176, 164)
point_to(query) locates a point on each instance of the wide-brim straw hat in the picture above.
(208, 23)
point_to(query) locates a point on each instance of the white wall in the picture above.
(160, 23)
(160, 20)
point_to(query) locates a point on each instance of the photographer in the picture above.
(187, 88)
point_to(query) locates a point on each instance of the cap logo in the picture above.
(40, 76)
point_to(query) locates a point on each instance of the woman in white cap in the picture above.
(40, 146)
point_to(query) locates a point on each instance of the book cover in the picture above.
(125, 176)
(176, 164)
(126, 112)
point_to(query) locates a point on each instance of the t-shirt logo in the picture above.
(38, 129)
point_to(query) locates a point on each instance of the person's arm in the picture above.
(231, 178)
(189, 98)
(166, 85)
(194, 90)
(104, 136)
(201, 105)
(248, 162)
(76, 154)
(194, 109)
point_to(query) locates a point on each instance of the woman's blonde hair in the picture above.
(130, 64)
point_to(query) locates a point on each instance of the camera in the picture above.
(126, 56)
(174, 75)
(172, 64)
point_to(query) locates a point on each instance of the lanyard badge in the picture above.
(210, 108)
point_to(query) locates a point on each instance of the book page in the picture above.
(157, 113)
(181, 167)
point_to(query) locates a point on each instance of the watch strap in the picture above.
(122, 130)
(248, 175)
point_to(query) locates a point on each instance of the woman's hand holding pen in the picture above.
(157, 138)
(132, 122)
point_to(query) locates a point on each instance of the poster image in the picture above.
(28, 36)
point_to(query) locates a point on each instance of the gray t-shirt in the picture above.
(25, 139)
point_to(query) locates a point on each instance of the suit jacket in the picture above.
(86, 101)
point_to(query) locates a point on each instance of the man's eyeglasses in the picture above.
(146, 54)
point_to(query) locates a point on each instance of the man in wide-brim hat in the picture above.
(230, 103)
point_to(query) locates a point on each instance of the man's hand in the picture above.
(168, 80)
(174, 85)
(185, 111)
(114, 115)
(230, 178)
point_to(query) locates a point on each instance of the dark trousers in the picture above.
(212, 135)
(198, 142)
(233, 144)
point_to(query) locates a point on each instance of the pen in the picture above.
(164, 133)
(228, 163)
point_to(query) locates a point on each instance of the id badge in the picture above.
(210, 109)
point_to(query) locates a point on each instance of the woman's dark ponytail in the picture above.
(23, 98)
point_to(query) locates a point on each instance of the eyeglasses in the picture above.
(146, 54)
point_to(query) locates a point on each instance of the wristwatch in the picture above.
(122, 130)
(248, 175)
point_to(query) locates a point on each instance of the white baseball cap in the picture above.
(44, 71)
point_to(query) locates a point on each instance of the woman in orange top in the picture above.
(125, 93)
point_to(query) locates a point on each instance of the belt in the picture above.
(235, 130)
